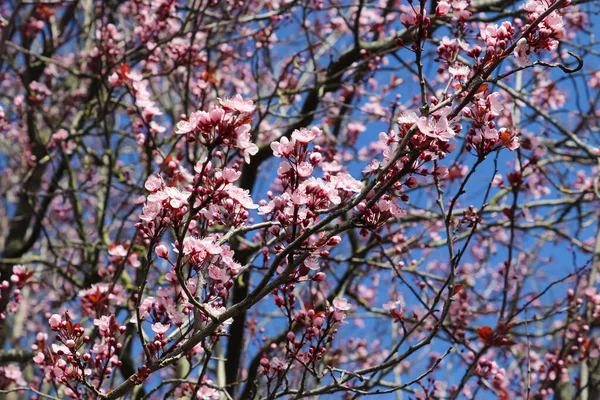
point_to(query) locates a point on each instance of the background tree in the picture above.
(299, 199)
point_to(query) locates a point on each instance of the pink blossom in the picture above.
(177, 198)
(304, 169)
(103, 324)
(55, 322)
(312, 263)
(237, 103)
(230, 175)
(242, 196)
(442, 9)
(154, 183)
(341, 304)
(461, 71)
(192, 123)
(282, 148)
(39, 358)
(305, 136)
(521, 53)
(245, 143)
(162, 251)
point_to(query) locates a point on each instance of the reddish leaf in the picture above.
(498, 339)
(505, 136)
(319, 315)
(458, 288)
(482, 88)
(208, 75)
(486, 334)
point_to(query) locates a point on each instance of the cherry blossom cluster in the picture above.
(545, 36)
(305, 197)
(430, 139)
(154, 18)
(497, 39)
(225, 125)
(415, 15)
(131, 199)
(220, 199)
(164, 207)
(21, 277)
(458, 8)
(69, 364)
(145, 107)
(489, 369)
(41, 15)
(11, 375)
(483, 137)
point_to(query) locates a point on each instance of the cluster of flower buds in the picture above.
(496, 40)
(66, 363)
(63, 362)
(317, 331)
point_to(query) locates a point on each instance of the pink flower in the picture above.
(346, 183)
(408, 17)
(436, 126)
(305, 136)
(151, 211)
(312, 263)
(207, 393)
(177, 198)
(218, 274)
(55, 322)
(244, 142)
(197, 117)
(60, 348)
(442, 9)
(154, 183)
(117, 251)
(283, 148)
(192, 245)
(305, 169)
(103, 324)
(113, 79)
(242, 196)
(341, 304)
(39, 358)
(461, 71)
(230, 175)
(496, 106)
(521, 53)
(217, 311)
(60, 134)
(237, 103)
(162, 251)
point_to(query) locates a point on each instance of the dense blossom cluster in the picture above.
(545, 36)
(483, 136)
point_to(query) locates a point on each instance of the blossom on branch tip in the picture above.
(237, 103)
